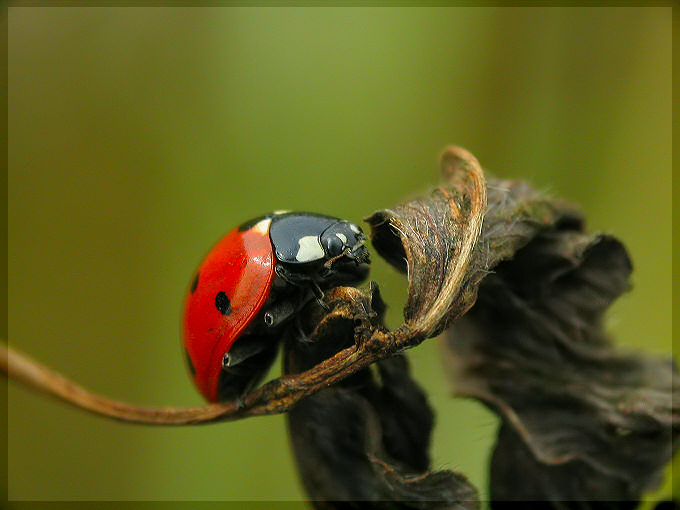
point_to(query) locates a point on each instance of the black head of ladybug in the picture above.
(324, 250)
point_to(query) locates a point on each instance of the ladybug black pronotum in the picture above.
(250, 286)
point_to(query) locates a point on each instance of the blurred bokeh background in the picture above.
(138, 136)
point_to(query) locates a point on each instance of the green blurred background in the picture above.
(138, 136)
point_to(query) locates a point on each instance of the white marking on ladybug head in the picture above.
(342, 237)
(354, 228)
(262, 227)
(310, 249)
(282, 211)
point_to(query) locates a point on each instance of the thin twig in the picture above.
(276, 396)
(32, 373)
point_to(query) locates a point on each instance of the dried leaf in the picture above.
(432, 241)
(582, 421)
(447, 242)
(564, 485)
(364, 441)
(516, 213)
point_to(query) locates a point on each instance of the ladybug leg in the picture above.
(279, 312)
(240, 403)
(301, 280)
(318, 294)
(299, 333)
(289, 276)
(241, 351)
(235, 356)
(244, 366)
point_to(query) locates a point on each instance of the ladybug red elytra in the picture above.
(252, 283)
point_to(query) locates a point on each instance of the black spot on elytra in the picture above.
(189, 363)
(222, 303)
(194, 284)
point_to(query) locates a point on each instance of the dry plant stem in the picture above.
(274, 397)
(39, 377)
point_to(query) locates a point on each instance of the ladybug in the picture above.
(247, 291)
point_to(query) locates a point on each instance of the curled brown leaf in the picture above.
(432, 240)
(581, 420)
